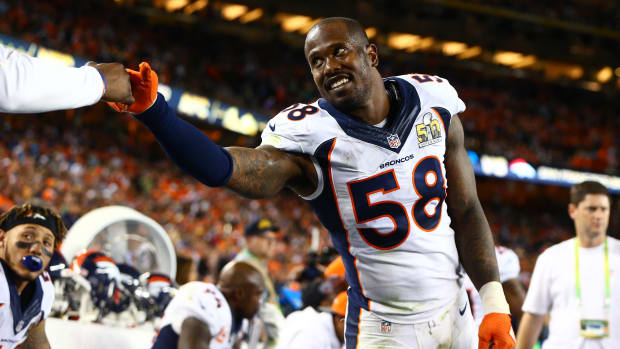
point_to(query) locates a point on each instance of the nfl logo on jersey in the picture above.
(393, 141)
(386, 327)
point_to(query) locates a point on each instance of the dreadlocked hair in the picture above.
(21, 211)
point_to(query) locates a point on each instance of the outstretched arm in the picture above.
(32, 85)
(253, 173)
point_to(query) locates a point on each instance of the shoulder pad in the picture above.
(294, 129)
(436, 90)
(48, 293)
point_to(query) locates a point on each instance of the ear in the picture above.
(373, 55)
(572, 210)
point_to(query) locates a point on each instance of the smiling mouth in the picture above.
(338, 82)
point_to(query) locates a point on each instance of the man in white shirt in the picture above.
(32, 85)
(577, 281)
(309, 329)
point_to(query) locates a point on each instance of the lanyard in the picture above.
(578, 278)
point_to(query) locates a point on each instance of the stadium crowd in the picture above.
(540, 122)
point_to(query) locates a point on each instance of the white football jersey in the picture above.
(204, 302)
(15, 322)
(509, 268)
(381, 194)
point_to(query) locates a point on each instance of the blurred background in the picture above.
(541, 81)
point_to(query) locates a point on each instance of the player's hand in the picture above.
(496, 328)
(118, 88)
(144, 85)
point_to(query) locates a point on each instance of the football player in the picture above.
(203, 315)
(29, 235)
(382, 163)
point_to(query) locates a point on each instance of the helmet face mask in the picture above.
(161, 290)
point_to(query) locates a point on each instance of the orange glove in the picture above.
(143, 88)
(496, 328)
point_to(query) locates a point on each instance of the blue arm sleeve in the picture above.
(187, 146)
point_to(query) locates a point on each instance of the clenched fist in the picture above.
(118, 87)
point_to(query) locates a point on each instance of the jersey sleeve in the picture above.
(195, 301)
(33, 85)
(291, 129)
(436, 90)
(538, 297)
(508, 264)
(48, 294)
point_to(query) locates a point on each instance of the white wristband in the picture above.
(493, 299)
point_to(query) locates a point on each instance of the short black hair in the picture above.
(579, 191)
(355, 30)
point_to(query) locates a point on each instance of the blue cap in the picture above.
(259, 227)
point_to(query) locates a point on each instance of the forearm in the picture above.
(31, 85)
(187, 146)
(529, 330)
(474, 243)
(253, 173)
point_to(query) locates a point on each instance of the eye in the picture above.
(27, 236)
(316, 62)
(47, 243)
(340, 51)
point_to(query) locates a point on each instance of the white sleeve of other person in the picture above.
(32, 85)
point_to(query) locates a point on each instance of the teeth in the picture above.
(340, 82)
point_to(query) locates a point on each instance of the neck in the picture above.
(377, 107)
(19, 282)
(20, 285)
(592, 240)
(255, 255)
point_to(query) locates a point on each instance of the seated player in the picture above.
(28, 236)
(203, 315)
(309, 329)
